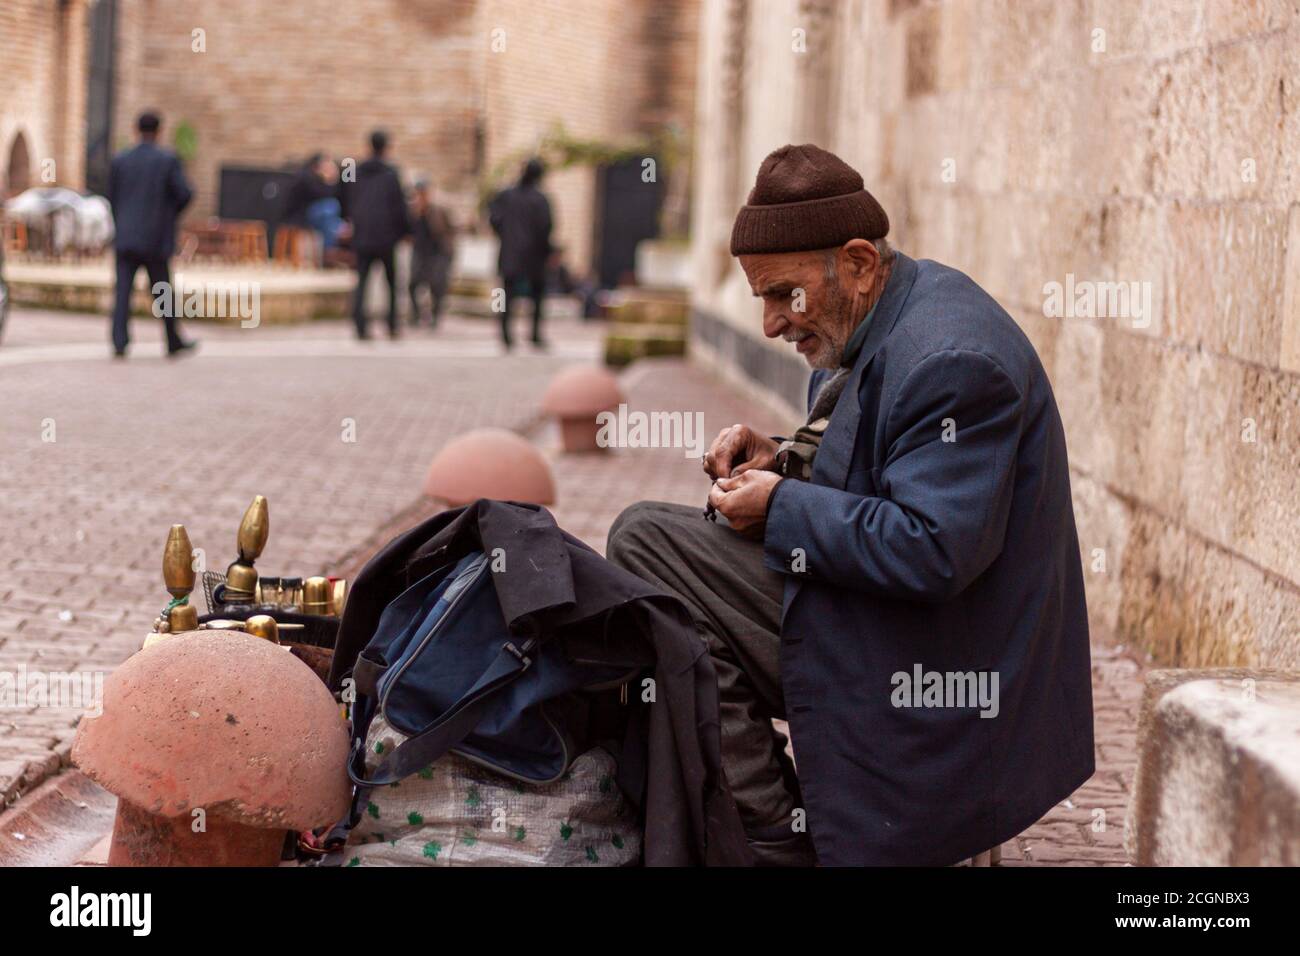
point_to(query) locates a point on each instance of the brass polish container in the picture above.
(316, 596)
(241, 576)
(241, 583)
(263, 626)
(183, 617)
(253, 530)
(178, 576)
(178, 562)
(339, 597)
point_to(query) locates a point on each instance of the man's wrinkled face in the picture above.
(805, 301)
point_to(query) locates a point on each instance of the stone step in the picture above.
(626, 343)
(1218, 778)
(650, 307)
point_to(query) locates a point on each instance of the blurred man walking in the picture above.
(521, 218)
(431, 252)
(377, 210)
(147, 191)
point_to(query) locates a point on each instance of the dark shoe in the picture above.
(363, 336)
(394, 332)
(119, 353)
(541, 345)
(181, 349)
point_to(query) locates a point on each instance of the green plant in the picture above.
(560, 150)
(186, 141)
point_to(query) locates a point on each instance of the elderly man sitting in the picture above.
(900, 578)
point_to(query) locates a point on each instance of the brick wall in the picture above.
(596, 47)
(1017, 143)
(278, 81)
(605, 71)
(44, 77)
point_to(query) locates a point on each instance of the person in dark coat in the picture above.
(521, 218)
(147, 191)
(432, 248)
(901, 577)
(313, 200)
(377, 210)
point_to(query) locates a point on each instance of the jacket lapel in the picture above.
(834, 455)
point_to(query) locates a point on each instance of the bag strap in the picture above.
(457, 723)
(453, 726)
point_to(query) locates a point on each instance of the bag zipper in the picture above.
(470, 576)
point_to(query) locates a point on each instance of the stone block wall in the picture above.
(1083, 143)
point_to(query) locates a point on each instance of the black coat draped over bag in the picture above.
(554, 586)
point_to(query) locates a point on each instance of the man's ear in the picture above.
(863, 261)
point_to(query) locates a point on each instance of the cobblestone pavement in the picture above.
(139, 445)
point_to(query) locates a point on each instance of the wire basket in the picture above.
(211, 581)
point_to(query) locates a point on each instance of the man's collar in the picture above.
(880, 320)
(854, 344)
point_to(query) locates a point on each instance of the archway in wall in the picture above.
(18, 168)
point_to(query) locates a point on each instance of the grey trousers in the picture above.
(736, 603)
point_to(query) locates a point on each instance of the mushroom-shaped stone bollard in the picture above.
(576, 396)
(490, 463)
(216, 743)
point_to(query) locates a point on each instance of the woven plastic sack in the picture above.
(457, 813)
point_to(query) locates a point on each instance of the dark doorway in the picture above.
(99, 95)
(254, 192)
(627, 211)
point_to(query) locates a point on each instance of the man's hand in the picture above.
(742, 500)
(739, 449)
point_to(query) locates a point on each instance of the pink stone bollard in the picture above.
(218, 722)
(575, 397)
(490, 463)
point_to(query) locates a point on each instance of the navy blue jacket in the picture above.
(147, 190)
(936, 537)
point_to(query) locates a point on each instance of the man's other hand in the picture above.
(739, 449)
(742, 500)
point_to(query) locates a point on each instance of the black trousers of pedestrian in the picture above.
(128, 264)
(433, 273)
(366, 260)
(736, 604)
(525, 287)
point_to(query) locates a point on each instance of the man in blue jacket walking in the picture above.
(147, 191)
(900, 578)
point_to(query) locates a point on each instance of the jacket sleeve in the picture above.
(945, 491)
(178, 186)
(494, 213)
(546, 224)
(399, 211)
(112, 193)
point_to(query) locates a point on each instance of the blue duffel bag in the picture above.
(445, 671)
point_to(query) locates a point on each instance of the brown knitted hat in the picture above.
(806, 198)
